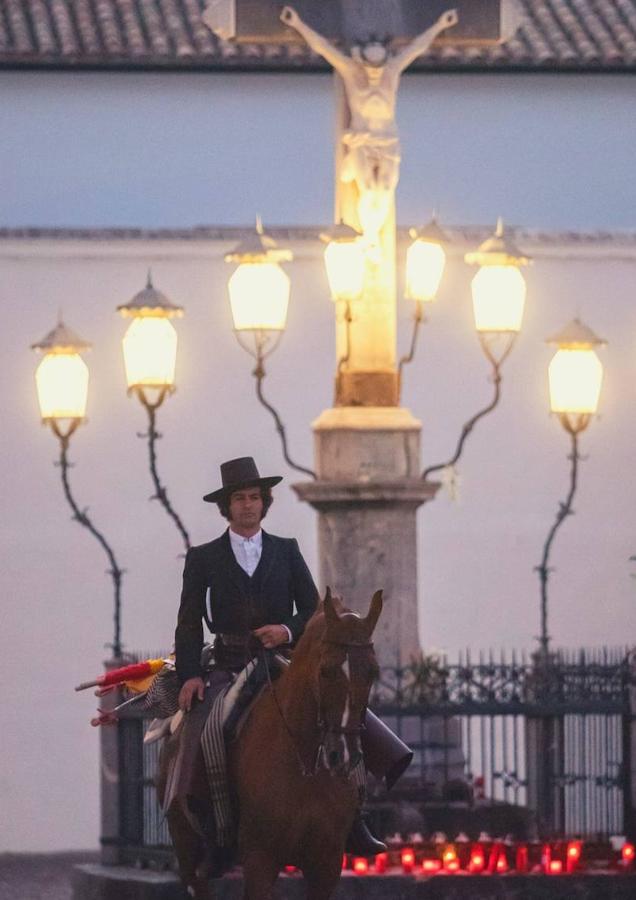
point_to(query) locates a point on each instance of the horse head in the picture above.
(347, 668)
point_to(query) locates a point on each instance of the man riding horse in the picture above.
(261, 595)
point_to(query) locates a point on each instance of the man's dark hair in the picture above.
(224, 502)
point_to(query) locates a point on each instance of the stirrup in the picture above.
(360, 841)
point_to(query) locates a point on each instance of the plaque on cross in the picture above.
(359, 21)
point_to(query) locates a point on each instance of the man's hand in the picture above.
(271, 636)
(289, 16)
(190, 689)
(448, 19)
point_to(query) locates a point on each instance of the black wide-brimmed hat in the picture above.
(237, 474)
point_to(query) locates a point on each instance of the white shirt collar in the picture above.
(237, 540)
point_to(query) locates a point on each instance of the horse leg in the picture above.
(322, 880)
(189, 850)
(321, 887)
(260, 872)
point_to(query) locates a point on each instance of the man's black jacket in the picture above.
(238, 603)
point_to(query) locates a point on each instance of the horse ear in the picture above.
(330, 613)
(374, 612)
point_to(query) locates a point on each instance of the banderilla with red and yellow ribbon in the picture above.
(133, 672)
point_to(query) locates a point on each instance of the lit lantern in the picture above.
(575, 375)
(555, 867)
(345, 262)
(150, 342)
(628, 854)
(425, 262)
(258, 287)
(498, 288)
(62, 377)
(360, 865)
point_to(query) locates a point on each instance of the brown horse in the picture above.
(292, 763)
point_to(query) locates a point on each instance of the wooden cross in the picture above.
(350, 21)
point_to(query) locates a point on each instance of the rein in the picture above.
(305, 772)
(322, 727)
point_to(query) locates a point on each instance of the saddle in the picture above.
(236, 700)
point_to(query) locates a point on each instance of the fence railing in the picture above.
(553, 739)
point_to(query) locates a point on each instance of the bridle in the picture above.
(322, 727)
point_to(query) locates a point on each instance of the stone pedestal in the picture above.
(367, 494)
(110, 786)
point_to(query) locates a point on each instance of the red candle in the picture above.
(381, 862)
(572, 856)
(477, 860)
(521, 859)
(407, 858)
(360, 865)
(431, 866)
(502, 862)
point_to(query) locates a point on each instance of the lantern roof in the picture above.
(150, 302)
(340, 233)
(576, 336)
(498, 250)
(431, 233)
(61, 340)
(259, 247)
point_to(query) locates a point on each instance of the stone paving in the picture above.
(39, 876)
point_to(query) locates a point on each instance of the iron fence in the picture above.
(552, 738)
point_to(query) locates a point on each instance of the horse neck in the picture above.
(296, 695)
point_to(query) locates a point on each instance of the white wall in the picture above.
(146, 150)
(91, 150)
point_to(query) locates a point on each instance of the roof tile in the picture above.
(42, 26)
(64, 27)
(132, 33)
(88, 31)
(19, 28)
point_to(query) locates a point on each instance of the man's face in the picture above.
(246, 508)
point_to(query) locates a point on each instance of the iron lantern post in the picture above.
(62, 379)
(259, 299)
(499, 293)
(150, 352)
(575, 379)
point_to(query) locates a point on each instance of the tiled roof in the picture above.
(565, 35)
(618, 243)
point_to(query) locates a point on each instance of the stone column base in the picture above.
(367, 495)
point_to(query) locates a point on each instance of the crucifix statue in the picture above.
(371, 76)
(367, 446)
